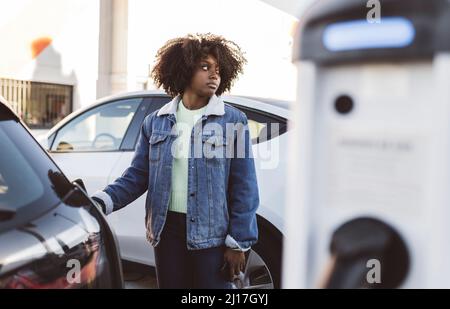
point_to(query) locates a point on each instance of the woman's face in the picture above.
(206, 79)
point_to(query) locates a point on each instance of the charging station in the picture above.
(369, 183)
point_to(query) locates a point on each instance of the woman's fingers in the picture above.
(237, 269)
(231, 272)
(236, 262)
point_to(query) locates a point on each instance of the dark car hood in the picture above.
(56, 233)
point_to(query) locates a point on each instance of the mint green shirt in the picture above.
(186, 120)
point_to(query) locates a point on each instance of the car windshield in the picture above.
(19, 184)
(27, 175)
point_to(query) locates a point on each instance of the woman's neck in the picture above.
(193, 101)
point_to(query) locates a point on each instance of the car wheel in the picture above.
(263, 261)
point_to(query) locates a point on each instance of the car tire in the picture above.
(269, 248)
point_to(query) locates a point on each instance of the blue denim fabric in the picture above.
(222, 187)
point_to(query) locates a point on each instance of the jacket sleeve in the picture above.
(243, 195)
(134, 181)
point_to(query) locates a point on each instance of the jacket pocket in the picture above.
(156, 142)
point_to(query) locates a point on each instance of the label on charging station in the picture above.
(374, 170)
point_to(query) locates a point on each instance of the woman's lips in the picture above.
(212, 85)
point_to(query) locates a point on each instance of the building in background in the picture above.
(49, 57)
(60, 55)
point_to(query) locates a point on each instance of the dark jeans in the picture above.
(180, 268)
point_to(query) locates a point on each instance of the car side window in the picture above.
(263, 126)
(99, 129)
(157, 103)
(150, 105)
(255, 128)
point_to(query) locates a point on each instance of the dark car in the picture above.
(52, 235)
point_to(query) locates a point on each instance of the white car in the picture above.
(97, 144)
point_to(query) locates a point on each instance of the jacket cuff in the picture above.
(230, 242)
(109, 206)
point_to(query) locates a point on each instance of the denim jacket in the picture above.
(222, 187)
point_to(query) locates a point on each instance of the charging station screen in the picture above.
(391, 32)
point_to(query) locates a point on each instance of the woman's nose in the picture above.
(213, 75)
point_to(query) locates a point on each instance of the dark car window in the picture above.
(151, 104)
(148, 106)
(157, 102)
(27, 174)
(99, 129)
(15, 172)
(263, 126)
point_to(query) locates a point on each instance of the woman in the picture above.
(194, 158)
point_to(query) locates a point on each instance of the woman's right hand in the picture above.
(236, 263)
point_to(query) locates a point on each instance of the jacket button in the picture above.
(192, 219)
(193, 194)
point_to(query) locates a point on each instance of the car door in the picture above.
(128, 222)
(90, 145)
(267, 132)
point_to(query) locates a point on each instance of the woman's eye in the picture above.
(206, 67)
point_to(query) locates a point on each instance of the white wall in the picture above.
(73, 54)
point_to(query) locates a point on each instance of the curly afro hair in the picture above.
(178, 59)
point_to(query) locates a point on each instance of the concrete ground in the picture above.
(137, 276)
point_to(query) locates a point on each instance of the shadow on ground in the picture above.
(138, 276)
